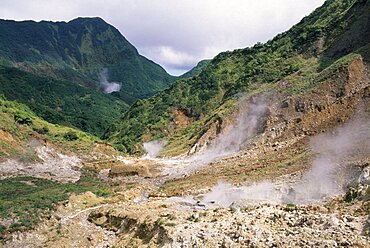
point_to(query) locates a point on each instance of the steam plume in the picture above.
(229, 142)
(153, 148)
(327, 177)
(234, 137)
(108, 87)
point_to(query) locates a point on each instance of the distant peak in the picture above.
(84, 20)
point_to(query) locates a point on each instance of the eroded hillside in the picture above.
(298, 59)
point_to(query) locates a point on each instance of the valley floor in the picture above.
(140, 214)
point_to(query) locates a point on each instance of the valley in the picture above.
(185, 201)
(265, 146)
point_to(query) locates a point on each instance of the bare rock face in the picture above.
(50, 164)
(182, 117)
(205, 139)
(332, 102)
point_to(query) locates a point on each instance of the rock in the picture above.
(227, 242)
(52, 165)
(365, 176)
(100, 221)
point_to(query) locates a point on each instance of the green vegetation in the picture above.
(78, 51)
(70, 136)
(193, 218)
(25, 199)
(196, 70)
(61, 102)
(22, 119)
(166, 220)
(19, 125)
(290, 205)
(292, 63)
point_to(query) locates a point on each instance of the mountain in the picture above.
(196, 70)
(63, 71)
(61, 101)
(298, 60)
(20, 126)
(79, 51)
(275, 141)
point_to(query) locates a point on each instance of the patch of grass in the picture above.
(70, 136)
(290, 205)
(28, 199)
(232, 210)
(277, 167)
(166, 220)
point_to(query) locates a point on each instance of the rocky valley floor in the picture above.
(140, 214)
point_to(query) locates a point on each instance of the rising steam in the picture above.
(153, 148)
(235, 136)
(108, 87)
(327, 177)
(227, 143)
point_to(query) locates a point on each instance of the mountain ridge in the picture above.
(196, 69)
(70, 59)
(80, 50)
(298, 55)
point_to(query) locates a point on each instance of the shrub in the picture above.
(70, 136)
(22, 118)
(42, 130)
(290, 205)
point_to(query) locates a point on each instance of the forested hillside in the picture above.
(299, 58)
(79, 51)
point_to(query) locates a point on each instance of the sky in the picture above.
(175, 33)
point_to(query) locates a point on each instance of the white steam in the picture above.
(227, 143)
(236, 136)
(327, 177)
(225, 194)
(153, 148)
(108, 87)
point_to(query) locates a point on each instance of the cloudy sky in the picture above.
(175, 33)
